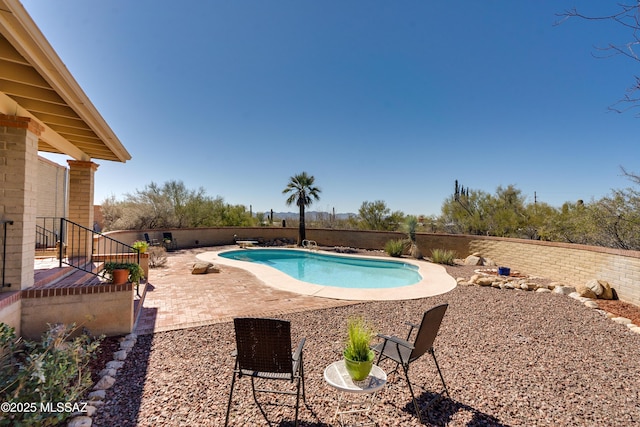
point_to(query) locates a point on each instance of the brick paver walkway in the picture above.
(177, 299)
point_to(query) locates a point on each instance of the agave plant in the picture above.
(410, 225)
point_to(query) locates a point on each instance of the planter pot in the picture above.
(358, 371)
(504, 271)
(120, 276)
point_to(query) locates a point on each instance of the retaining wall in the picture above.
(568, 263)
(103, 309)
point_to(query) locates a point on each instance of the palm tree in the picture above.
(302, 192)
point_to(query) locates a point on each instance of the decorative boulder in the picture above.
(485, 281)
(607, 291)
(473, 260)
(595, 287)
(202, 268)
(585, 292)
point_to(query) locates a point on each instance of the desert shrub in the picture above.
(53, 370)
(395, 247)
(157, 256)
(443, 256)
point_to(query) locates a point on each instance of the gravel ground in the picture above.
(510, 358)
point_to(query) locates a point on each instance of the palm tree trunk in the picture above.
(301, 227)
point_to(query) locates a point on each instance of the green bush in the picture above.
(140, 245)
(55, 370)
(443, 256)
(395, 248)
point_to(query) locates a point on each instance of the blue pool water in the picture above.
(330, 270)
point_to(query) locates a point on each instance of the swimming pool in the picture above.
(332, 270)
(434, 278)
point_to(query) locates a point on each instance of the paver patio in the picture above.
(177, 299)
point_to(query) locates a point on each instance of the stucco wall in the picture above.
(568, 263)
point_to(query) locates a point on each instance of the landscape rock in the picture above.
(110, 372)
(120, 355)
(595, 287)
(564, 290)
(554, 285)
(484, 281)
(127, 345)
(473, 260)
(104, 383)
(586, 292)
(97, 395)
(607, 291)
(591, 304)
(577, 296)
(114, 364)
(200, 267)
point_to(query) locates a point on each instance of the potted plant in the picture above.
(123, 272)
(358, 356)
(140, 245)
(136, 273)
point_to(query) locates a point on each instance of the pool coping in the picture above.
(435, 279)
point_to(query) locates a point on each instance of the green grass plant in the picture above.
(443, 256)
(360, 334)
(395, 248)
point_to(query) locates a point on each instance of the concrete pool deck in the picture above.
(435, 280)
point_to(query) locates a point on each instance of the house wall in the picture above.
(53, 181)
(568, 263)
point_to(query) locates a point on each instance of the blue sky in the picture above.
(378, 100)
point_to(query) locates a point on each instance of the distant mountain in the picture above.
(309, 214)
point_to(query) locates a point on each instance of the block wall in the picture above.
(10, 309)
(103, 309)
(53, 181)
(568, 263)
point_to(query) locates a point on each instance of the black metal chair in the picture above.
(263, 350)
(150, 242)
(404, 353)
(169, 241)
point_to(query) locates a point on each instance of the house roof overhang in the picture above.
(35, 83)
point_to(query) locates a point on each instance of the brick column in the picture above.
(81, 182)
(18, 192)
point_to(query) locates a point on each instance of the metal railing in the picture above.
(47, 233)
(76, 245)
(81, 243)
